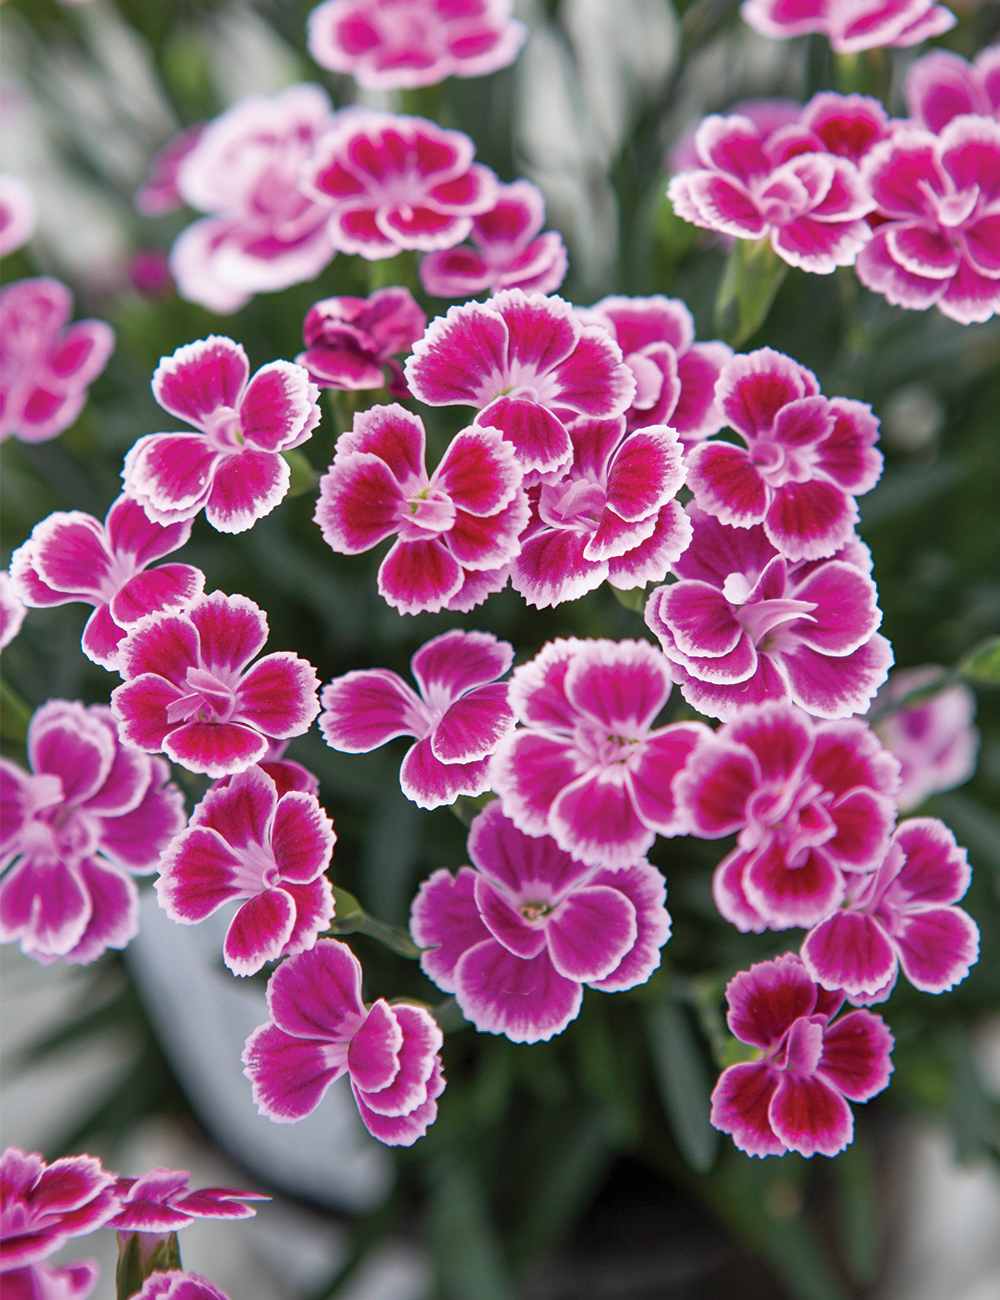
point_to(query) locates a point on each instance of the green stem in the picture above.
(400, 269)
(351, 918)
(14, 714)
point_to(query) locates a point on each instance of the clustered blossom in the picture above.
(851, 27)
(351, 342)
(933, 738)
(43, 1206)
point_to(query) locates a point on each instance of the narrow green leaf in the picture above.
(752, 276)
(983, 663)
(860, 1219)
(683, 1084)
(463, 1238)
(14, 714)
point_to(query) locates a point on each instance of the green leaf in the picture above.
(634, 598)
(351, 918)
(983, 663)
(860, 1220)
(752, 276)
(683, 1084)
(14, 714)
(463, 1238)
(304, 477)
(141, 1254)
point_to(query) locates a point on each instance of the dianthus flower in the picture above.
(245, 842)
(175, 1285)
(47, 364)
(189, 691)
(467, 515)
(162, 1201)
(530, 368)
(933, 739)
(74, 1281)
(850, 25)
(387, 43)
(509, 252)
(587, 767)
(350, 342)
(160, 194)
(942, 85)
(613, 516)
(813, 805)
(320, 1029)
(92, 810)
(939, 197)
(12, 611)
(394, 182)
(517, 938)
(42, 1206)
(73, 556)
(233, 467)
(458, 718)
(795, 1097)
(17, 213)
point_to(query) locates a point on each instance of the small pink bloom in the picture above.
(846, 125)
(162, 1201)
(189, 689)
(233, 467)
(160, 194)
(387, 43)
(320, 1029)
(12, 611)
(74, 1281)
(588, 767)
(942, 85)
(149, 273)
(516, 939)
(17, 213)
(350, 340)
(466, 516)
(793, 1097)
(47, 365)
(42, 1206)
(72, 556)
(851, 25)
(179, 1286)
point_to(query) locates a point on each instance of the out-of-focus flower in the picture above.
(42, 1206)
(179, 1286)
(17, 213)
(851, 25)
(74, 1281)
(12, 611)
(942, 85)
(160, 194)
(162, 1201)
(352, 342)
(934, 738)
(149, 273)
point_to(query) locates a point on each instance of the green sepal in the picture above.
(139, 1255)
(753, 275)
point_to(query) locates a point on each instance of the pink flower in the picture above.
(162, 1201)
(320, 1029)
(244, 842)
(743, 625)
(516, 939)
(387, 43)
(233, 467)
(812, 803)
(349, 340)
(188, 689)
(940, 197)
(587, 767)
(529, 366)
(179, 1286)
(72, 556)
(465, 516)
(793, 1098)
(263, 233)
(75, 1281)
(160, 194)
(394, 182)
(509, 252)
(47, 365)
(851, 25)
(42, 1206)
(612, 517)
(17, 213)
(811, 205)
(458, 718)
(92, 810)
(942, 85)
(933, 739)
(12, 611)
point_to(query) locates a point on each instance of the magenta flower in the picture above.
(189, 691)
(91, 811)
(743, 625)
(75, 1281)
(179, 1286)
(846, 125)
(813, 805)
(12, 611)
(42, 1206)
(349, 340)
(233, 467)
(530, 368)
(903, 914)
(320, 1029)
(245, 842)
(516, 939)
(940, 240)
(72, 556)
(850, 26)
(467, 515)
(509, 252)
(795, 1097)
(587, 767)
(17, 213)
(160, 194)
(387, 43)
(47, 364)
(612, 517)
(933, 739)
(942, 85)
(395, 182)
(458, 718)
(162, 1201)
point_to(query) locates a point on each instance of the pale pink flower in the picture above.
(175, 1285)
(934, 738)
(12, 610)
(74, 1281)
(942, 85)
(351, 342)
(42, 1206)
(162, 1201)
(17, 213)
(851, 25)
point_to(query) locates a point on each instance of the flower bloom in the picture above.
(394, 182)
(940, 240)
(42, 1206)
(349, 340)
(12, 611)
(850, 27)
(744, 625)
(17, 213)
(530, 368)
(244, 842)
(320, 1029)
(175, 1285)
(189, 691)
(613, 516)
(942, 85)
(92, 810)
(903, 914)
(933, 739)
(465, 516)
(387, 43)
(587, 767)
(812, 803)
(160, 194)
(509, 252)
(75, 1281)
(47, 364)
(517, 938)
(795, 1097)
(73, 556)
(162, 1201)
(458, 718)
(233, 467)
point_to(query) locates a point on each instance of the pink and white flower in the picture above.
(162, 1201)
(42, 1206)
(352, 342)
(795, 1097)
(75, 1281)
(233, 467)
(175, 1285)
(320, 1029)
(942, 85)
(517, 938)
(160, 194)
(851, 25)
(189, 689)
(12, 611)
(17, 213)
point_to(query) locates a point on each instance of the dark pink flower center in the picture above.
(209, 699)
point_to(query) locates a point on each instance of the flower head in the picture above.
(942, 85)
(349, 340)
(175, 1285)
(42, 1206)
(162, 1201)
(933, 738)
(851, 25)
